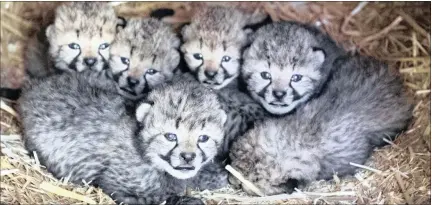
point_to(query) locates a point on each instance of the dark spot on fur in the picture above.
(178, 122)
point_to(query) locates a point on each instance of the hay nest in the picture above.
(397, 33)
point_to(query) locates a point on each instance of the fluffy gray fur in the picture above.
(242, 112)
(287, 64)
(361, 104)
(213, 43)
(79, 128)
(143, 55)
(81, 35)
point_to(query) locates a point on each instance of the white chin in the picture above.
(277, 110)
(281, 110)
(273, 109)
(182, 174)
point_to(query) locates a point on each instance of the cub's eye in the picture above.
(74, 46)
(124, 60)
(203, 138)
(226, 58)
(151, 71)
(266, 75)
(198, 56)
(171, 137)
(104, 46)
(296, 78)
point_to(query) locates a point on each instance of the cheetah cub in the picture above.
(143, 55)
(287, 64)
(81, 35)
(213, 43)
(84, 132)
(212, 50)
(361, 104)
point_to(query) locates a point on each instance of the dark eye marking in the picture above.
(170, 137)
(203, 138)
(151, 71)
(125, 60)
(226, 59)
(104, 46)
(296, 78)
(266, 75)
(74, 46)
(198, 56)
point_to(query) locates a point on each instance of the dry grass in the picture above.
(397, 32)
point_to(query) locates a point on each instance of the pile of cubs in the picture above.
(129, 106)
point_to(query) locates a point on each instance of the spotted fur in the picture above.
(81, 35)
(362, 103)
(287, 64)
(79, 127)
(144, 55)
(213, 43)
(242, 112)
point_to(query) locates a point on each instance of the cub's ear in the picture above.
(142, 110)
(186, 33)
(121, 23)
(49, 32)
(223, 116)
(250, 35)
(319, 54)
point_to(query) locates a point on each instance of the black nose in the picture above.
(132, 81)
(279, 94)
(210, 74)
(188, 156)
(90, 61)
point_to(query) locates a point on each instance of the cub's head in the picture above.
(143, 55)
(213, 43)
(81, 35)
(286, 64)
(182, 127)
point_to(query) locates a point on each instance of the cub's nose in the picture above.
(90, 61)
(210, 74)
(188, 156)
(132, 82)
(279, 94)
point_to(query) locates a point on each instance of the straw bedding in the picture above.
(397, 33)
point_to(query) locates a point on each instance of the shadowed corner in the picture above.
(10, 93)
(290, 185)
(162, 13)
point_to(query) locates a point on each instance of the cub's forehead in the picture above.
(216, 26)
(279, 43)
(87, 17)
(216, 18)
(189, 102)
(145, 37)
